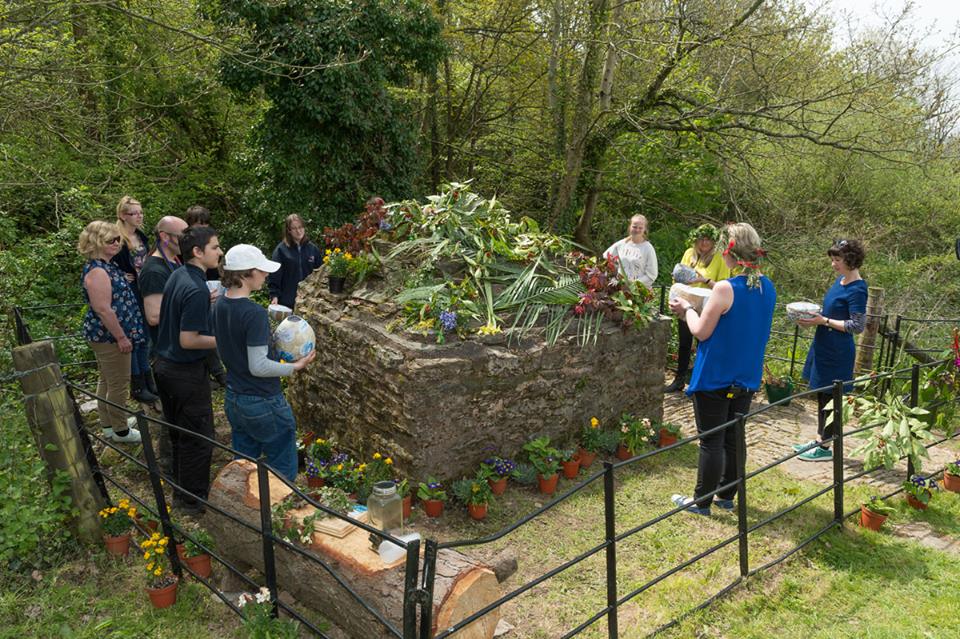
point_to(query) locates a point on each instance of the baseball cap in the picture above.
(245, 256)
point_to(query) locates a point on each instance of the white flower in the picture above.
(263, 596)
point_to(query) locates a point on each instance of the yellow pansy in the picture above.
(594, 422)
(388, 461)
(158, 571)
(377, 455)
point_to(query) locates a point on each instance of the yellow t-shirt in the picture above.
(716, 270)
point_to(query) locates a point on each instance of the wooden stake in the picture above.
(868, 338)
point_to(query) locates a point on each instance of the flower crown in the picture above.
(704, 231)
(752, 267)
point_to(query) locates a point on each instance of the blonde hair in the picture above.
(95, 236)
(126, 203)
(746, 242)
(646, 224)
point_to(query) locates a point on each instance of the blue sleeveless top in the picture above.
(124, 304)
(733, 354)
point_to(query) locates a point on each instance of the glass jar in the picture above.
(384, 506)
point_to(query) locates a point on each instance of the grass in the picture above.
(849, 583)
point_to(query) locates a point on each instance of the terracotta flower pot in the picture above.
(433, 507)
(199, 564)
(498, 486)
(951, 482)
(916, 503)
(163, 597)
(666, 438)
(870, 519)
(181, 552)
(477, 511)
(407, 504)
(315, 482)
(548, 485)
(571, 468)
(586, 458)
(118, 546)
(623, 453)
(336, 284)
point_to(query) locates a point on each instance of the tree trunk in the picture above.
(462, 585)
(583, 110)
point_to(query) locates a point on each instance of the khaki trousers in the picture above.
(114, 384)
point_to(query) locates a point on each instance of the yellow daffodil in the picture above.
(150, 566)
(158, 571)
(147, 555)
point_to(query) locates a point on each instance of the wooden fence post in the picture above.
(868, 338)
(51, 416)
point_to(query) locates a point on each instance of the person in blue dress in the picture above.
(733, 331)
(830, 358)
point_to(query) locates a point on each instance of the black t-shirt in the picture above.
(185, 307)
(153, 278)
(239, 323)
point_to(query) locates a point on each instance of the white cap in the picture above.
(246, 256)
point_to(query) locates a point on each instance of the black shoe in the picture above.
(194, 509)
(218, 381)
(139, 391)
(676, 386)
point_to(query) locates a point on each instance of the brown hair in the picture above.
(287, 223)
(234, 279)
(850, 250)
(197, 214)
(95, 236)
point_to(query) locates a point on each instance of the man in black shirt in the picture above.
(183, 340)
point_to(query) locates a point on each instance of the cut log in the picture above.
(463, 585)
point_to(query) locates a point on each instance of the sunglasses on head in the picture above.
(840, 243)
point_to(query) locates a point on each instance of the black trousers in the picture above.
(185, 395)
(824, 426)
(718, 452)
(684, 348)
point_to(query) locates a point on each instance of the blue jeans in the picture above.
(264, 425)
(140, 361)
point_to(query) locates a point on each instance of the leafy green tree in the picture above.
(339, 79)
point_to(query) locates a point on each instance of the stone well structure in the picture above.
(440, 409)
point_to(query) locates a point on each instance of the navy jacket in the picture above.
(296, 263)
(124, 260)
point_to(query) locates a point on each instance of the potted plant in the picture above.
(874, 512)
(195, 554)
(951, 477)
(432, 494)
(777, 386)
(570, 464)
(497, 470)
(590, 443)
(148, 522)
(919, 491)
(403, 489)
(316, 473)
(345, 474)
(338, 263)
(667, 434)
(161, 583)
(475, 493)
(117, 522)
(545, 458)
(634, 434)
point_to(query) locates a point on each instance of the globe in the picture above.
(293, 339)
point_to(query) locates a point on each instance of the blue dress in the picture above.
(832, 353)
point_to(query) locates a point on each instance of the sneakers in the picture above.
(680, 500)
(726, 504)
(816, 454)
(799, 447)
(132, 436)
(676, 386)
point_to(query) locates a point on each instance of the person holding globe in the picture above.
(261, 421)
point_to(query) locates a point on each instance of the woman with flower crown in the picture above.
(702, 257)
(733, 331)
(843, 315)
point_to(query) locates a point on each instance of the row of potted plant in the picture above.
(118, 524)
(919, 492)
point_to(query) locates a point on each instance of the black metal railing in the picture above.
(417, 611)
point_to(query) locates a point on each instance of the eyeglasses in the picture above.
(114, 240)
(134, 214)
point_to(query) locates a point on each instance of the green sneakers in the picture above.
(799, 447)
(816, 454)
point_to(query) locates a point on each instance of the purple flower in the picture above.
(434, 485)
(448, 319)
(385, 226)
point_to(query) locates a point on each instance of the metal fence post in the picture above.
(793, 351)
(663, 299)
(741, 435)
(610, 533)
(143, 425)
(266, 535)
(426, 588)
(411, 594)
(838, 452)
(23, 335)
(914, 401)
